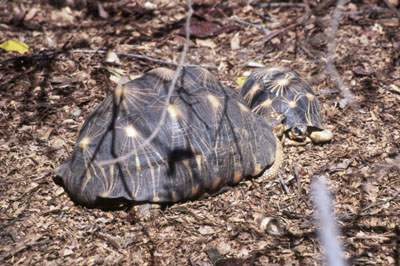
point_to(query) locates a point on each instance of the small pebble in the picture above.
(77, 112)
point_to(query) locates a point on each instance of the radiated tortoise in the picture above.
(280, 92)
(209, 139)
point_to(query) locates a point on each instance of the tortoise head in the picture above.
(298, 133)
(303, 134)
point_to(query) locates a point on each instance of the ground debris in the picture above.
(45, 98)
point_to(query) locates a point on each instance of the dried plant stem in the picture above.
(300, 21)
(144, 57)
(283, 184)
(296, 174)
(282, 4)
(23, 246)
(381, 202)
(138, 56)
(167, 100)
(327, 229)
(265, 31)
(330, 64)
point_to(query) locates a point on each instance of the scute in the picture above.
(281, 90)
(209, 139)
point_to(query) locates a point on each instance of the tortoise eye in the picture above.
(299, 130)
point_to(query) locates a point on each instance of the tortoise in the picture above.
(280, 93)
(209, 139)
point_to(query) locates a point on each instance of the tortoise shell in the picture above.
(209, 139)
(281, 90)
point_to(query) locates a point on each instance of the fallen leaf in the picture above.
(206, 43)
(372, 191)
(63, 15)
(150, 6)
(15, 46)
(102, 12)
(224, 248)
(112, 57)
(255, 64)
(241, 80)
(340, 167)
(67, 252)
(200, 29)
(206, 230)
(31, 13)
(235, 42)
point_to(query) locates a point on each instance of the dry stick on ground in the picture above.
(144, 57)
(381, 202)
(330, 64)
(282, 5)
(138, 56)
(327, 229)
(370, 11)
(353, 216)
(23, 246)
(392, 7)
(300, 21)
(296, 174)
(167, 100)
(283, 184)
(265, 31)
(10, 234)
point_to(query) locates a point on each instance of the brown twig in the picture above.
(144, 57)
(23, 246)
(325, 92)
(167, 100)
(392, 8)
(138, 56)
(282, 4)
(352, 216)
(369, 11)
(283, 184)
(10, 234)
(381, 202)
(330, 64)
(265, 31)
(327, 229)
(296, 174)
(300, 21)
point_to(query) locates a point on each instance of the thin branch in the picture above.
(352, 215)
(283, 184)
(369, 11)
(296, 174)
(277, 182)
(10, 234)
(300, 21)
(326, 92)
(282, 5)
(265, 31)
(327, 229)
(138, 56)
(381, 202)
(330, 64)
(23, 246)
(144, 57)
(392, 7)
(167, 100)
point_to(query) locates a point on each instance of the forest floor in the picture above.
(45, 98)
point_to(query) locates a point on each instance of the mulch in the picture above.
(45, 98)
